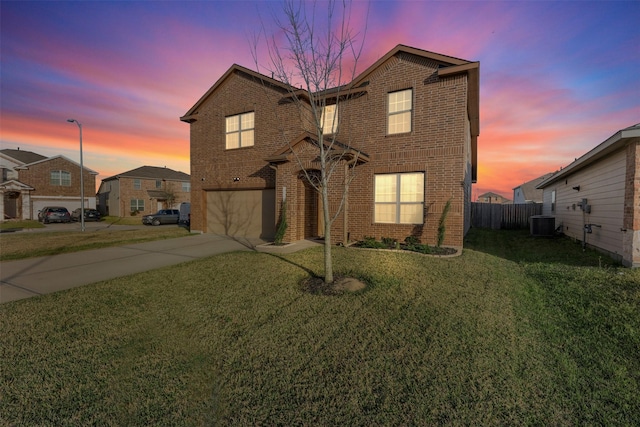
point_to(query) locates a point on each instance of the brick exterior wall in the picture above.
(127, 191)
(438, 146)
(38, 176)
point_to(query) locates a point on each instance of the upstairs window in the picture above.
(137, 184)
(399, 106)
(186, 186)
(329, 119)
(158, 183)
(60, 178)
(240, 131)
(399, 198)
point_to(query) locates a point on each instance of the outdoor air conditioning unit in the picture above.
(542, 225)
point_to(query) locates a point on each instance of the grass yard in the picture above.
(515, 331)
(26, 245)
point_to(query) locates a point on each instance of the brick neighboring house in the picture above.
(600, 193)
(527, 191)
(494, 198)
(410, 121)
(143, 190)
(31, 181)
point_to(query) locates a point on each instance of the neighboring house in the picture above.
(144, 190)
(491, 197)
(411, 124)
(31, 181)
(527, 192)
(596, 199)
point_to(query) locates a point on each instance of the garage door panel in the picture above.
(246, 213)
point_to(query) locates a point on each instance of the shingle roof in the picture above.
(152, 172)
(23, 156)
(529, 191)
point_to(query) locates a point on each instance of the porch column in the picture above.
(25, 213)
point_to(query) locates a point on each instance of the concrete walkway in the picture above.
(37, 276)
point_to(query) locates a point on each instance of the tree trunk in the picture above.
(328, 265)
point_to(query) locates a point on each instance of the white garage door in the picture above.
(246, 213)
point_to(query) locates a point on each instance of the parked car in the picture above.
(54, 214)
(163, 216)
(89, 215)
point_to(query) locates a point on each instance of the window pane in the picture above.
(137, 184)
(411, 187)
(247, 121)
(55, 178)
(233, 140)
(329, 119)
(400, 101)
(385, 188)
(411, 214)
(385, 213)
(65, 178)
(400, 123)
(232, 124)
(247, 138)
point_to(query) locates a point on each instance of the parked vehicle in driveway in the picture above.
(163, 216)
(89, 215)
(54, 214)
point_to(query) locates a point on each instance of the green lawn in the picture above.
(515, 331)
(34, 244)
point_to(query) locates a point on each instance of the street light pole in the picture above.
(81, 175)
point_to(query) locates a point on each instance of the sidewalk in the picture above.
(37, 276)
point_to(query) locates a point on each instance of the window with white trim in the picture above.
(329, 119)
(60, 178)
(240, 130)
(137, 205)
(399, 198)
(553, 201)
(186, 186)
(137, 184)
(399, 106)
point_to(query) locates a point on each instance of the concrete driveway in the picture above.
(37, 276)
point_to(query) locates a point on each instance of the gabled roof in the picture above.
(340, 150)
(15, 185)
(612, 144)
(22, 156)
(529, 190)
(48, 159)
(234, 69)
(152, 172)
(449, 66)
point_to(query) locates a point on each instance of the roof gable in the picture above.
(234, 70)
(48, 159)
(22, 156)
(152, 172)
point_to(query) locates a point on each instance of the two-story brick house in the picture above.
(143, 190)
(408, 128)
(31, 181)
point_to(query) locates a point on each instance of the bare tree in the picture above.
(317, 60)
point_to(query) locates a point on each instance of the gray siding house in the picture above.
(596, 199)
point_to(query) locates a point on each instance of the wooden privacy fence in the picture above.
(494, 216)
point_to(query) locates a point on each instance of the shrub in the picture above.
(282, 224)
(441, 224)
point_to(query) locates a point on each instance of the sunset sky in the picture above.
(556, 78)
